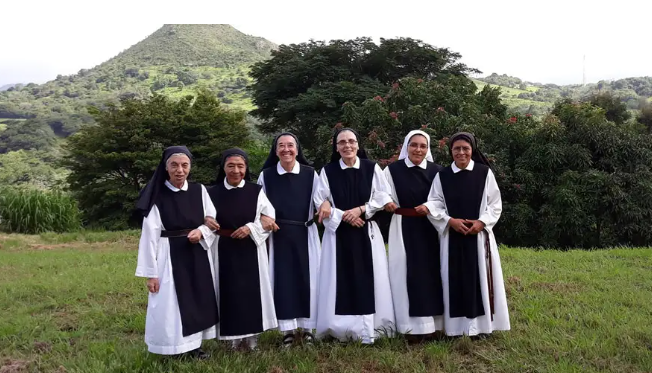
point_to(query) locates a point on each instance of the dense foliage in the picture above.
(111, 162)
(303, 86)
(574, 179)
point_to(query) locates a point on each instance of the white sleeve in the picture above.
(390, 183)
(380, 193)
(494, 202)
(258, 234)
(322, 191)
(437, 206)
(260, 181)
(148, 245)
(315, 186)
(208, 237)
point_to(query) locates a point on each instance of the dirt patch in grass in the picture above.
(556, 287)
(14, 366)
(42, 347)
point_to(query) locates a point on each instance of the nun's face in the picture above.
(417, 149)
(461, 153)
(347, 145)
(178, 167)
(235, 168)
(286, 149)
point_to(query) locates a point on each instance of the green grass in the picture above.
(71, 303)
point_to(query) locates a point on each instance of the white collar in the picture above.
(295, 170)
(229, 186)
(423, 164)
(184, 187)
(468, 168)
(355, 165)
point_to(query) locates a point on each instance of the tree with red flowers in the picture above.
(303, 87)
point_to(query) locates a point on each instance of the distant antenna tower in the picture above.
(584, 71)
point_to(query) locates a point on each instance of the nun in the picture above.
(244, 292)
(354, 297)
(414, 266)
(465, 204)
(290, 184)
(173, 254)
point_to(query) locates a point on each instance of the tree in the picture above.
(645, 117)
(303, 86)
(30, 168)
(574, 179)
(111, 162)
(30, 134)
(615, 110)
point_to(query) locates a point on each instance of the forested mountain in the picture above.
(175, 60)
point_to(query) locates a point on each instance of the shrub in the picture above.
(35, 211)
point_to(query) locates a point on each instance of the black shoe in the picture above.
(199, 354)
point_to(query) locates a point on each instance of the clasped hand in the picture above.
(466, 226)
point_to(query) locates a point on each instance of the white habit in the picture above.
(362, 327)
(398, 269)
(314, 251)
(163, 330)
(490, 210)
(259, 236)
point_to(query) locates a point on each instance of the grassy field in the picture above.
(70, 303)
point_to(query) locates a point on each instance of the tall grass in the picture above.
(36, 211)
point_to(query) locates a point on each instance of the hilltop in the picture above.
(175, 60)
(195, 45)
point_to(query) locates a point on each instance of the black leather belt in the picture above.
(294, 222)
(180, 233)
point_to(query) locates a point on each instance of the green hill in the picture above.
(537, 98)
(175, 60)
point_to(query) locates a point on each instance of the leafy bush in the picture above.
(573, 179)
(35, 211)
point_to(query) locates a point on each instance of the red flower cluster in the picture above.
(441, 110)
(424, 126)
(517, 186)
(419, 80)
(395, 86)
(528, 115)
(393, 115)
(512, 120)
(442, 143)
(378, 98)
(338, 126)
(381, 144)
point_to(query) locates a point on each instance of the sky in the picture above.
(537, 41)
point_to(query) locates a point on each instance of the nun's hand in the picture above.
(194, 236)
(324, 211)
(476, 226)
(153, 285)
(350, 215)
(358, 223)
(268, 223)
(241, 233)
(422, 210)
(211, 223)
(458, 225)
(391, 207)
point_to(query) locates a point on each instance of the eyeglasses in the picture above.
(344, 142)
